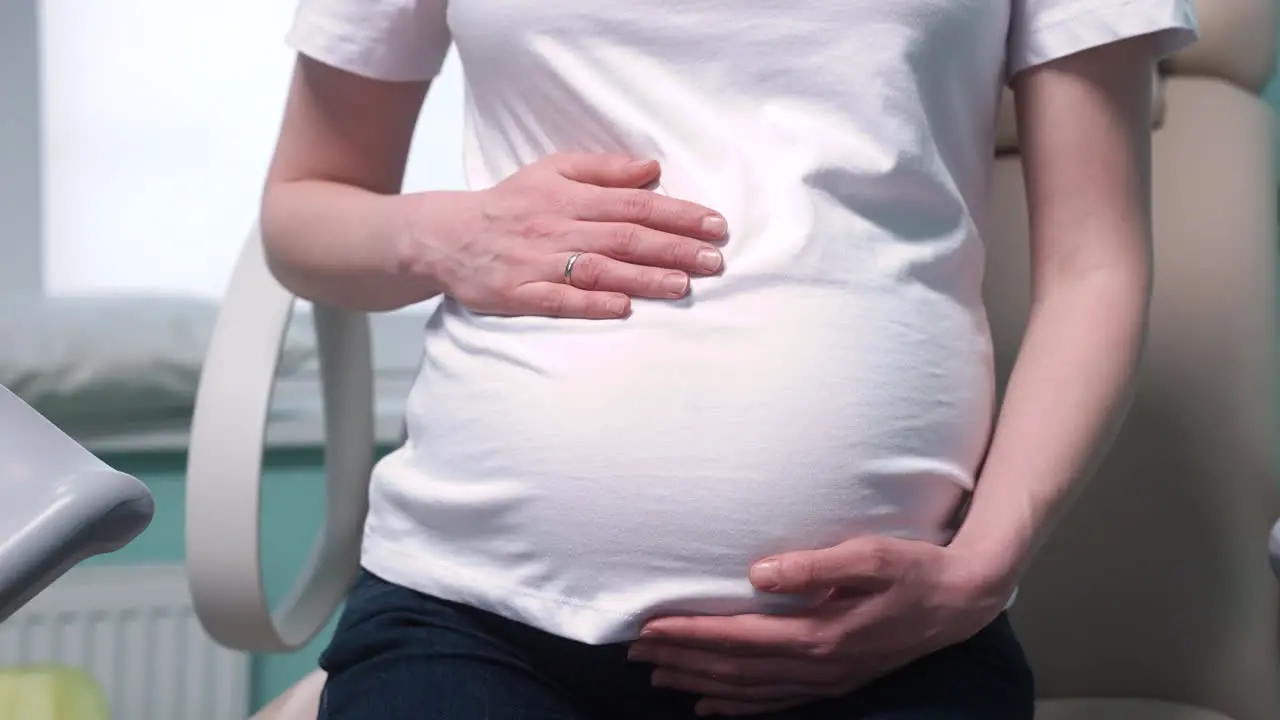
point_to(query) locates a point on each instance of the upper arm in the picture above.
(345, 128)
(1084, 126)
(362, 73)
(1082, 75)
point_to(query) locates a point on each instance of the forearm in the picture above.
(343, 246)
(1069, 389)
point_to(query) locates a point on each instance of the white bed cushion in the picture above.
(114, 364)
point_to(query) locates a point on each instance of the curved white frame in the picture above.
(224, 465)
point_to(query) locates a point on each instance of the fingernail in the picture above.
(675, 283)
(765, 574)
(640, 166)
(709, 260)
(714, 225)
(616, 306)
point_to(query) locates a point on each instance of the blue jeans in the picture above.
(401, 655)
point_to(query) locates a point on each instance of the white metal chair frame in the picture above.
(224, 470)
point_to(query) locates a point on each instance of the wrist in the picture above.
(427, 230)
(988, 568)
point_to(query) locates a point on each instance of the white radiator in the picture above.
(134, 630)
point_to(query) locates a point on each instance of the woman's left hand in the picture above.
(890, 602)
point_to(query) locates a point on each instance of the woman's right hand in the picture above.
(509, 245)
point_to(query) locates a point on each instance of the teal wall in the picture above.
(293, 507)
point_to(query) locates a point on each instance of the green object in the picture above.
(51, 693)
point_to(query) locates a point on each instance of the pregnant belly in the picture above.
(659, 458)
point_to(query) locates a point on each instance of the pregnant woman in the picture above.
(706, 423)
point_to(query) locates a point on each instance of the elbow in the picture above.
(270, 222)
(278, 239)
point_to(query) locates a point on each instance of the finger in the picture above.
(738, 669)
(868, 563)
(651, 210)
(644, 246)
(734, 708)
(741, 634)
(712, 687)
(556, 299)
(597, 272)
(605, 169)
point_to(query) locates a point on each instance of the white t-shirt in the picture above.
(835, 380)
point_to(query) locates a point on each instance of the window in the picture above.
(159, 120)
(156, 122)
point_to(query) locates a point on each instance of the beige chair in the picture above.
(1153, 601)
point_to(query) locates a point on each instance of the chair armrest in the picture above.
(59, 504)
(224, 467)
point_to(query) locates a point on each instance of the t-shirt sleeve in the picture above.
(1045, 30)
(396, 40)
